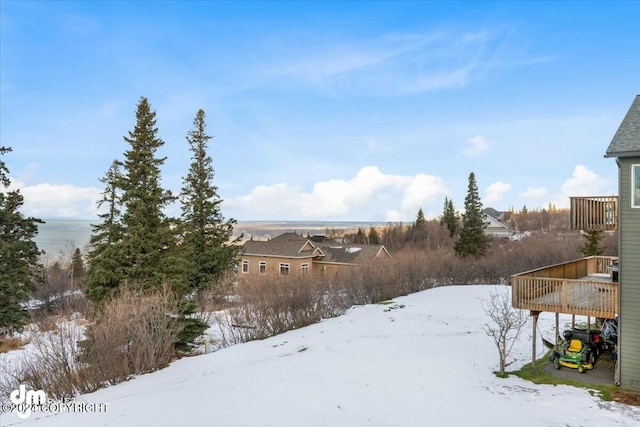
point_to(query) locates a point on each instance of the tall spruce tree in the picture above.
(450, 217)
(105, 257)
(472, 240)
(149, 254)
(207, 235)
(18, 255)
(373, 237)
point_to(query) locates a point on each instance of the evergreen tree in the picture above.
(472, 240)
(450, 217)
(592, 245)
(418, 233)
(421, 222)
(18, 255)
(374, 239)
(135, 243)
(77, 270)
(105, 257)
(207, 235)
(360, 237)
(149, 254)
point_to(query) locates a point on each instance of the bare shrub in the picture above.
(132, 334)
(49, 364)
(274, 305)
(218, 295)
(371, 283)
(506, 323)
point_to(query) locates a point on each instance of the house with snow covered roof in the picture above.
(291, 253)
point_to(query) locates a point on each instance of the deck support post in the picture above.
(588, 323)
(534, 315)
(573, 321)
(557, 332)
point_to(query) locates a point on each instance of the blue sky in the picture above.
(322, 110)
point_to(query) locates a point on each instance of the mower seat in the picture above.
(575, 346)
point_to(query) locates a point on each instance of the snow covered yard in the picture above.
(422, 361)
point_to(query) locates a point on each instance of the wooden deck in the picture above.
(581, 287)
(594, 213)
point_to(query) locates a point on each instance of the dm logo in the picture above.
(25, 400)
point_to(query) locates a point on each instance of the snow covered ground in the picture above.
(423, 361)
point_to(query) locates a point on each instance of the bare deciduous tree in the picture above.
(506, 323)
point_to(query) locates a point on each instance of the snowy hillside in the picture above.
(422, 361)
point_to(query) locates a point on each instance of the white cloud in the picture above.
(495, 192)
(419, 189)
(58, 200)
(534, 193)
(583, 183)
(476, 146)
(369, 194)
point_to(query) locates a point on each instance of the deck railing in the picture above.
(581, 287)
(594, 212)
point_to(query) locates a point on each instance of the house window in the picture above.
(284, 269)
(245, 266)
(305, 269)
(262, 268)
(635, 186)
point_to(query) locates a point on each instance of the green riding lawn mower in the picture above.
(579, 350)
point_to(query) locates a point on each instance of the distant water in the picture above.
(58, 236)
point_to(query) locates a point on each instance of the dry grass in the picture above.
(12, 343)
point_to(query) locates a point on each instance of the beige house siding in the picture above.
(328, 268)
(303, 257)
(272, 265)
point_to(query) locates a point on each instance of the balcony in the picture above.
(594, 213)
(580, 287)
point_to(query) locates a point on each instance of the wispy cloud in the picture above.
(397, 64)
(476, 146)
(334, 60)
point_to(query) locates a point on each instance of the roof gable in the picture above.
(494, 224)
(287, 245)
(352, 254)
(626, 141)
